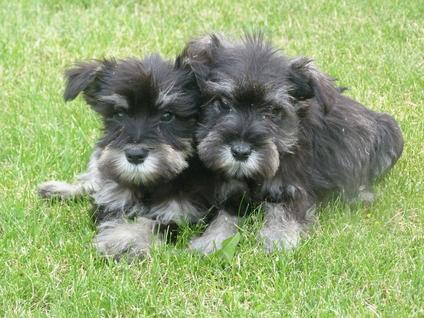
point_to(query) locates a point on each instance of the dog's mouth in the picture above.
(240, 159)
(243, 162)
(141, 165)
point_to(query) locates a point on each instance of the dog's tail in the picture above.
(389, 145)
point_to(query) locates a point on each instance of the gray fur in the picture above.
(118, 100)
(176, 210)
(281, 230)
(85, 183)
(117, 238)
(221, 228)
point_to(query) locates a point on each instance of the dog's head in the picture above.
(149, 111)
(251, 103)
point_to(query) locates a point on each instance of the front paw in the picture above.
(208, 243)
(222, 227)
(56, 189)
(279, 193)
(366, 197)
(276, 194)
(275, 238)
(205, 244)
(116, 239)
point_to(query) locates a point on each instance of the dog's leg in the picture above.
(362, 195)
(86, 183)
(64, 190)
(221, 228)
(389, 145)
(365, 195)
(387, 149)
(284, 225)
(118, 237)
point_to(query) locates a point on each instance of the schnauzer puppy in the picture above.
(278, 132)
(139, 166)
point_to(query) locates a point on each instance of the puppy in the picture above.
(278, 132)
(139, 167)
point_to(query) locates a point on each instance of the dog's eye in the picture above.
(119, 113)
(167, 117)
(223, 105)
(277, 112)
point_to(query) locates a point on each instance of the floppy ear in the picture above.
(308, 82)
(199, 55)
(80, 78)
(201, 50)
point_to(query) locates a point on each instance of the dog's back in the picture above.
(352, 145)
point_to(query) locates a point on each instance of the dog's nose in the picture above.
(241, 151)
(136, 156)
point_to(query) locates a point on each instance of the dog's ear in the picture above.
(86, 77)
(307, 81)
(182, 63)
(199, 54)
(79, 78)
(201, 50)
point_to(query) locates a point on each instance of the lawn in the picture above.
(358, 261)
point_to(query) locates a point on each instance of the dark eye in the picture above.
(119, 113)
(277, 111)
(223, 105)
(167, 117)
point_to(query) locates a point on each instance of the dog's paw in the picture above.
(208, 243)
(280, 192)
(365, 197)
(116, 239)
(56, 189)
(278, 239)
(275, 194)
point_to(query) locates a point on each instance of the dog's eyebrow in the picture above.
(165, 98)
(278, 96)
(116, 99)
(221, 87)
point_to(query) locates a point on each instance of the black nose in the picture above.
(241, 151)
(137, 155)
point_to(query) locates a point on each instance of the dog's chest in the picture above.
(115, 197)
(233, 191)
(175, 210)
(164, 206)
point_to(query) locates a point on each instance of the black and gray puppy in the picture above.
(277, 131)
(139, 166)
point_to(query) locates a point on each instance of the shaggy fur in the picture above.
(139, 168)
(278, 132)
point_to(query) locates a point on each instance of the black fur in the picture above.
(307, 139)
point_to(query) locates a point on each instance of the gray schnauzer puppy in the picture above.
(278, 132)
(139, 166)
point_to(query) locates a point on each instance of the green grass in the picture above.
(357, 261)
